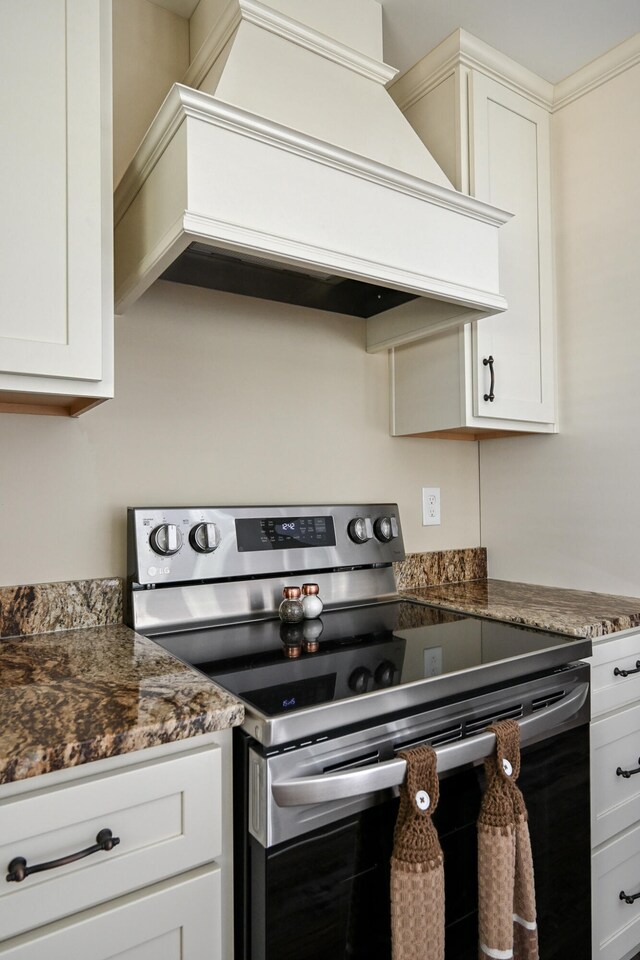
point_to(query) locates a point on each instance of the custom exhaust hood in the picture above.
(290, 174)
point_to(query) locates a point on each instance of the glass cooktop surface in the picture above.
(278, 668)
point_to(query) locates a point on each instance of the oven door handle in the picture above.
(390, 773)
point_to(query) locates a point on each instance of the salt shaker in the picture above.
(311, 603)
(290, 610)
(311, 630)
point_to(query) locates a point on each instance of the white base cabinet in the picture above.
(491, 136)
(56, 289)
(615, 799)
(164, 891)
(171, 921)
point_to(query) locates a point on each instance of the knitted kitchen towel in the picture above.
(417, 874)
(506, 893)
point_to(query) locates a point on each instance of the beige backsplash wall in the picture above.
(565, 510)
(220, 399)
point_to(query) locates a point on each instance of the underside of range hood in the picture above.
(204, 266)
(222, 197)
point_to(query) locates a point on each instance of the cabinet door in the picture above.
(52, 63)
(177, 920)
(509, 156)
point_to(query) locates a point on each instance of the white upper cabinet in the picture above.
(486, 121)
(56, 294)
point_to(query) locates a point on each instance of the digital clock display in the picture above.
(284, 533)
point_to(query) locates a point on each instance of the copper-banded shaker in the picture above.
(290, 610)
(292, 640)
(311, 603)
(311, 630)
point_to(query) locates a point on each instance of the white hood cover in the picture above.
(291, 174)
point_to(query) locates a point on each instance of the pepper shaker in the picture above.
(290, 610)
(292, 640)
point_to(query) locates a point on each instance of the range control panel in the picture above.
(185, 544)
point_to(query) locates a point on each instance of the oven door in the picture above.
(322, 888)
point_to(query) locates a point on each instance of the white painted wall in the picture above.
(150, 53)
(565, 510)
(220, 399)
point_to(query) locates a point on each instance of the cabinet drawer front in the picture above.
(165, 812)
(616, 924)
(608, 691)
(168, 921)
(615, 800)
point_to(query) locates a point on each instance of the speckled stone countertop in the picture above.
(575, 612)
(74, 696)
(43, 607)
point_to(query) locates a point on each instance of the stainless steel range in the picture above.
(330, 701)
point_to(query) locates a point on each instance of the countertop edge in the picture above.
(150, 698)
(596, 627)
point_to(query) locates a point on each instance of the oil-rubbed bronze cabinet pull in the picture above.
(18, 869)
(627, 899)
(627, 773)
(488, 362)
(626, 673)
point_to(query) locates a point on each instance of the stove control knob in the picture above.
(385, 673)
(383, 529)
(165, 539)
(359, 680)
(360, 529)
(204, 537)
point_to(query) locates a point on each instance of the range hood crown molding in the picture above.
(182, 102)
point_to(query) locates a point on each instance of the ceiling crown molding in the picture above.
(462, 48)
(611, 64)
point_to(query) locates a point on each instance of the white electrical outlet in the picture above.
(430, 506)
(433, 661)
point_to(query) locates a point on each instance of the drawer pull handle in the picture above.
(488, 362)
(627, 773)
(627, 899)
(626, 673)
(18, 869)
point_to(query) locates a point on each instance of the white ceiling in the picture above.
(184, 8)
(551, 37)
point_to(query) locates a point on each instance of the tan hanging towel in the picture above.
(506, 893)
(417, 874)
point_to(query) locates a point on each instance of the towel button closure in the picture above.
(506, 766)
(423, 800)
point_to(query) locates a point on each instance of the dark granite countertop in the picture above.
(576, 612)
(74, 696)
